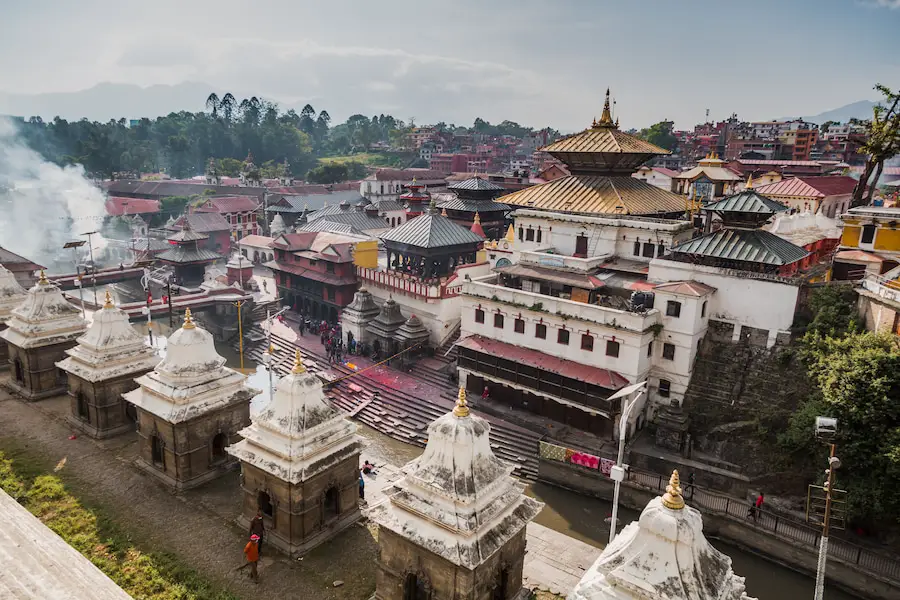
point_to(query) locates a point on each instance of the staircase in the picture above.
(447, 350)
(260, 309)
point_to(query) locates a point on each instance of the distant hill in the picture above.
(106, 101)
(855, 110)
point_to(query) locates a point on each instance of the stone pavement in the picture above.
(554, 562)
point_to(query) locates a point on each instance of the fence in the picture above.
(787, 528)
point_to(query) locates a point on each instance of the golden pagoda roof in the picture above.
(598, 194)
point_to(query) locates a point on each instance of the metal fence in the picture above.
(787, 528)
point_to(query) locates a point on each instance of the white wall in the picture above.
(740, 298)
(685, 332)
(654, 178)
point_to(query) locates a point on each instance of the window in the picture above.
(637, 248)
(156, 451)
(529, 235)
(479, 315)
(703, 309)
(521, 233)
(649, 250)
(540, 331)
(581, 245)
(331, 294)
(329, 267)
(587, 342)
(538, 235)
(498, 320)
(673, 308)
(612, 348)
(519, 326)
(264, 502)
(868, 234)
(219, 441)
(332, 503)
(660, 249)
(83, 412)
(562, 337)
(669, 351)
(650, 349)
(665, 387)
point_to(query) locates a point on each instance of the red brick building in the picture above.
(239, 211)
(211, 224)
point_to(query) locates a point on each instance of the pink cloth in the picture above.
(605, 465)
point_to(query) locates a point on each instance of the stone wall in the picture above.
(41, 377)
(105, 409)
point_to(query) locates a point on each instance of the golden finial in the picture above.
(606, 116)
(749, 182)
(298, 364)
(108, 303)
(414, 179)
(477, 217)
(511, 234)
(443, 212)
(462, 406)
(188, 320)
(672, 498)
(43, 279)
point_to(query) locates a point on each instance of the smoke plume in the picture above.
(44, 205)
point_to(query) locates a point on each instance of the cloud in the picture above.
(892, 4)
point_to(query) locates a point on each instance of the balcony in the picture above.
(884, 287)
(566, 309)
(546, 257)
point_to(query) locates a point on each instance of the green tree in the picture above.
(662, 134)
(882, 143)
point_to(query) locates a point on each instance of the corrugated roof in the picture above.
(388, 205)
(598, 194)
(604, 140)
(355, 219)
(746, 245)
(230, 204)
(747, 201)
(257, 241)
(187, 234)
(188, 254)
(477, 184)
(8, 259)
(205, 222)
(473, 206)
(810, 187)
(431, 230)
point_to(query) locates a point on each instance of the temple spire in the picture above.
(108, 303)
(672, 498)
(462, 405)
(606, 116)
(749, 182)
(188, 319)
(43, 279)
(298, 364)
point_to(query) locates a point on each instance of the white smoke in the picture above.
(43, 205)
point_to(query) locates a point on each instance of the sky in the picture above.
(534, 62)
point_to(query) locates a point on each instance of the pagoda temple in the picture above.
(739, 243)
(411, 338)
(101, 368)
(662, 555)
(189, 409)
(382, 328)
(415, 200)
(357, 315)
(299, 465)
(187, 258)
(11, 295)
(239, 270)
(454, 525)
(708, 181)
(38, 333)
(250, 175)
(601, 160)
(430, 246)
(476, 200)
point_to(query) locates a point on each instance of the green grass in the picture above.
(373, 159)
(154, 575)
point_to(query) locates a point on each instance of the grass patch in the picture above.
(373, 159)
(154, 576)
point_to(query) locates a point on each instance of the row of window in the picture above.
(530, 235)
(648, 250)
(563, 335)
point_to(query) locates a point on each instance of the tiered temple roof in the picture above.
(601, 160)
(457, 500)
(11, 293)
(387, 322)
(430, 231)
(192, 379)
(110, 348)
(662, 555)
(412, 332)
(363, 306)
(43, 318)
(296, 434)
(185, 249)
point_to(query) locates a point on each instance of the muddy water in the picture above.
(581, 517)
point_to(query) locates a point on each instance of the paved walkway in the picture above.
(554, 562)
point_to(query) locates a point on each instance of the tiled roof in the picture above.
(785, 163)
(665, 171)
(747, 201)
(294, 241)
(534, 358)
(431, 230)
(605, 140)
(858, 255)
(810, 187)
(712, 173)
(477, 184)
(117, 206)
(473, 206)
(685, 288)
(11, 261)
(230, 204)
(746, 245)
(327, 278)
(187, 254)
(257, 241)
(187, 234)
(598, 194)
(353, 218)
(205, 222)
(405, 175)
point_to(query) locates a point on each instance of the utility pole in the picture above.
(617, 472)
(239, 304)
(75, 246)
(93, 266)
(169, 298)
(833, 464)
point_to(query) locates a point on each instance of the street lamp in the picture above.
(617, 473)
(267, 357)
(93, 266)
(75, 246)
(826, 428)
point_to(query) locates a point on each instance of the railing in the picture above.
(883, 287)
(784, 527)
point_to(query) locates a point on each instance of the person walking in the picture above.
(251, 552)
(759, 502)
(362, 487)
(258, 528)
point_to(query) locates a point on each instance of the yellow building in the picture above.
(870, 242)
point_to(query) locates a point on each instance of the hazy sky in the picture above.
(535, 62)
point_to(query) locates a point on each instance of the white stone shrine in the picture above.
(11, 295)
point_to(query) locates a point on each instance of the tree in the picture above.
(228, 104)
(882, 143)
(661, 134)
(212, 104)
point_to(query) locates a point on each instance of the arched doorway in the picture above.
(264, 503)
(502, 588)
(82, 408)
(414, 588)
(332, 315)
(157, 455)
(332, 503)
(19, 371)
(219, 441)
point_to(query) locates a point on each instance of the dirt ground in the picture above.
(197, 526)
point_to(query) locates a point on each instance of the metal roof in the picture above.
(598, 194)
(747, 201)
(186, 234)
(746, 245)
(811, 187)
(473, 206)
(685, 288)
(355, 219)
(8, 259)
(431, 230)
(604, 140)
(477, 184)
(188, 254)
(712, 173)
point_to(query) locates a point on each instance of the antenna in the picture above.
(707, 115)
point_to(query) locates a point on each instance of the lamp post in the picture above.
(93, 266)
(75, 246)
(826, 427)
(267, 357)
(617, 473)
